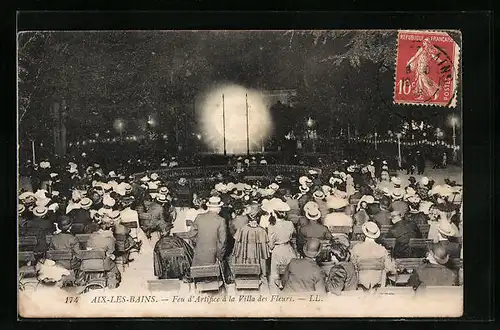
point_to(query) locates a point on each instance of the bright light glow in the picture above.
(211, 123)
(119, 125)
(453, 120)
(310, 122)
(198, 136)
(96, 135)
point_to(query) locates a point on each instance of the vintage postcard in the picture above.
(298, 173)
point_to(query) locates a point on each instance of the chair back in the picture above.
(420, 243)
(26, 256)
(27, 243)
(384, 229)
(371, 264)
(340, 229)
(409, 263)
(59, 255)
(93, 260)
(246, 276)
(205, 271)
(206, 278)
(281, 269)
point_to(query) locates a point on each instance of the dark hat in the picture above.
(312, 248)
(65, 222)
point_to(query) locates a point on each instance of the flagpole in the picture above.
(248, 136)
(33, 149)
(224, 124)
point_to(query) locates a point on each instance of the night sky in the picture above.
(340, 76)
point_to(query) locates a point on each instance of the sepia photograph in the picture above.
(239, 173)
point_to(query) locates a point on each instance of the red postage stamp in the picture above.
(427, 67)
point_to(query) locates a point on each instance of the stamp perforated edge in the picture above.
(456, 67)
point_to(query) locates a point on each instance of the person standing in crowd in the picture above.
(209, 235)
(369, 250)
(403, 230)
(251, 243)
(444, 160)
(103, 239)
(343, 276)
(280, 233)
(172, 266)
(438, 270)
(420, 163)
(304, 275)
(313, 229)
(155, 219)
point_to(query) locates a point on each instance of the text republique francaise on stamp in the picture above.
(426, 69)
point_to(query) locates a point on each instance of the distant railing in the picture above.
(208, 172)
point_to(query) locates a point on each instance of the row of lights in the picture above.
(415, 143)
(112, 140)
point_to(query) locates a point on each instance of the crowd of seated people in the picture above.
(290, 225)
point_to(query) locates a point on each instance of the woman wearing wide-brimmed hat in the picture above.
(280, 233)
(251, 242)
(369, 250)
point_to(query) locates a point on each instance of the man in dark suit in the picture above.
(304, 275)
(383, 217)
(313, 229)
(437, 271)
(209, 234)
(65, 240)
(82, 221)
(402, 230)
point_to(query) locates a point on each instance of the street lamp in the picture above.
(119, 125)
(398, 135)
(454, 121)
(375, 140)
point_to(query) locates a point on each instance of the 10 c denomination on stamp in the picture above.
(426, 68)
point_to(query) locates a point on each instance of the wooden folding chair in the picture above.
(409, 263)
(93, 268)
(246, 276)
(372, 264)
(207, 278)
